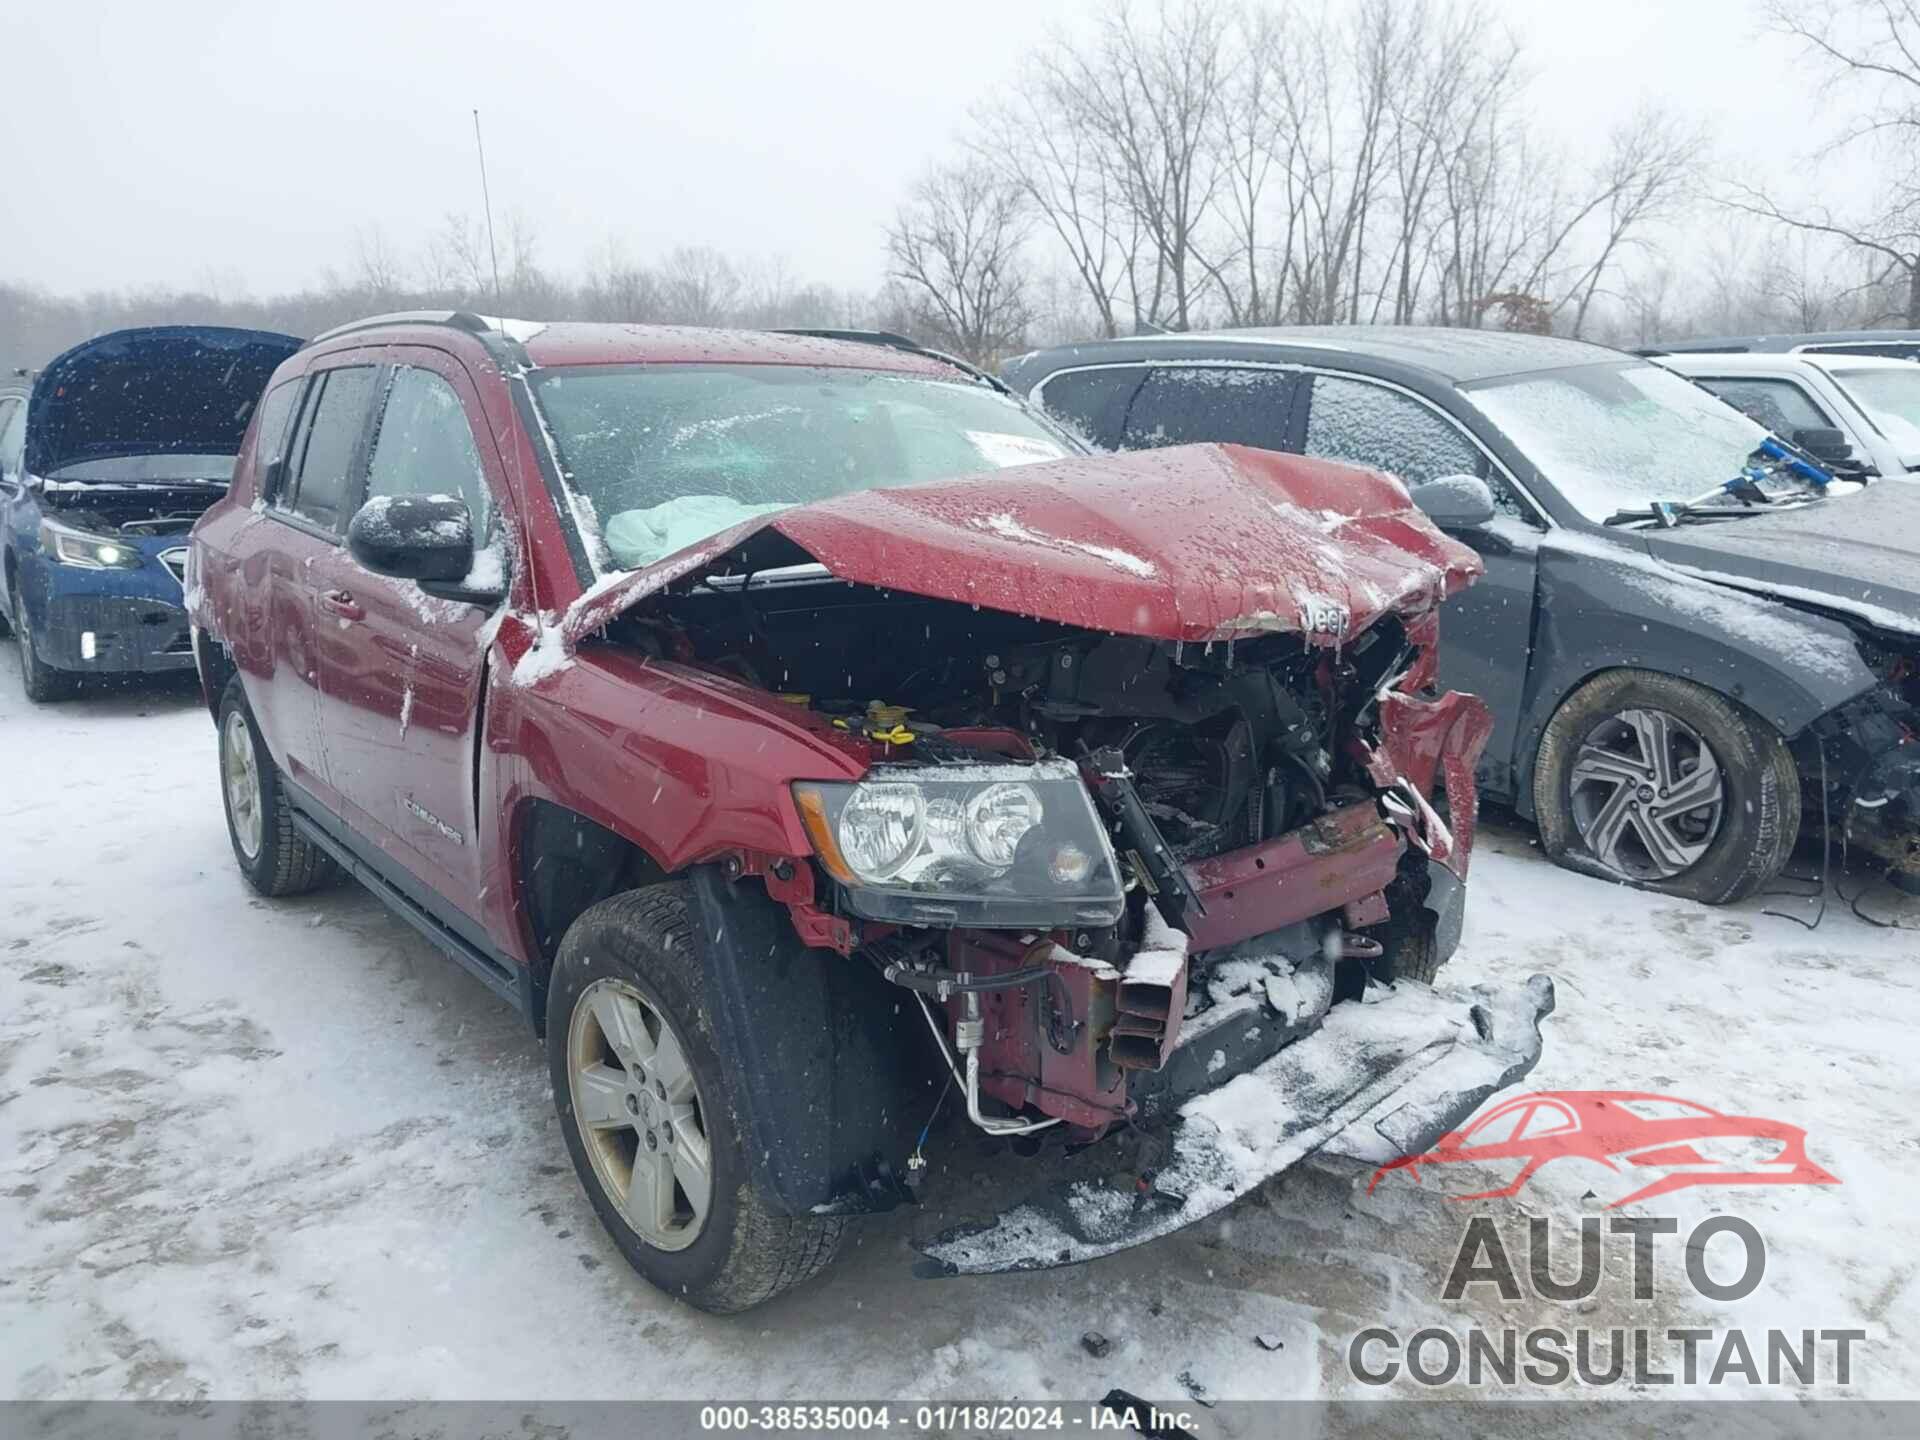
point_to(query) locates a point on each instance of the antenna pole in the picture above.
(486, 200)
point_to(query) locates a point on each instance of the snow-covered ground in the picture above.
(254, 1149)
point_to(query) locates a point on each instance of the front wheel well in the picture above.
(564, 865)
(216, 668)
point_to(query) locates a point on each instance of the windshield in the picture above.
(149, 469)
(1615, 437)
(664, 456)
(1891, 398)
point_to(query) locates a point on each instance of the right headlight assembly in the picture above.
(998, 845)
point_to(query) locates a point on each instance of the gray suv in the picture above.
(1696, 642)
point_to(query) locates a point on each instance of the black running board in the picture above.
(503, 979)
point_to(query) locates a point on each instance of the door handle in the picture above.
(339, 602)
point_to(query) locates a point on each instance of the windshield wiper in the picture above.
(1668, 513)
(1745, 487)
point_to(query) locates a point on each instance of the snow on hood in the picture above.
(164, 390)
(1855, 554)
(1190, 543)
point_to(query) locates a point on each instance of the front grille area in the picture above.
(176, 563)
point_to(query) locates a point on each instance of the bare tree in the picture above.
(458, 259)
(1652, 166)
(1143, 97)
(619, 289)
(1872, 48)
(1028, 137)
(954, 251)
(698, 286)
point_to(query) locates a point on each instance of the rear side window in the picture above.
(425, 445)
(1187, 405)
(1091, 402)
(1780, 405)
(329, 438)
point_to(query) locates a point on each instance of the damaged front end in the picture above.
(1167, 892)
(1860, 764)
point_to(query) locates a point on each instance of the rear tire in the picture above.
(1755, 816)
(720, 1246)
(274, 857)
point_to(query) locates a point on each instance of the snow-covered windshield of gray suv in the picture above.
(658, 457)
(1891, 398)
(1616, 437)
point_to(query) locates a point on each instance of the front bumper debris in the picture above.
(1373, 1081)
(1884, 815)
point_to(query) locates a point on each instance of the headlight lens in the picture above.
(90, 552)
(998, 819)
(967, 845)
(881, 827)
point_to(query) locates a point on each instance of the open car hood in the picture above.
(1191, 543)
(1854, 554)
(166, 390)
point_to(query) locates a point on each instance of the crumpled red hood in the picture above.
(1194, 543)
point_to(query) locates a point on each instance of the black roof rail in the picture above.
(458, 319)
(894, 341)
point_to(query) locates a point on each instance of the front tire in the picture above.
(652, 1119)
(1661, 783)
(274, 857)
(43, 683)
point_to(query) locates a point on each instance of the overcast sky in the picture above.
(244, 143)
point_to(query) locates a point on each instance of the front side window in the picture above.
(1368, 424)
(425, 445)
(1780, 405)
(13, 437)
(270, 432)
(329, 443)
(1891, 398)
(1618, 436)
(659, 457)
(1191, 404)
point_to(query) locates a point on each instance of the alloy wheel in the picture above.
(240, 774)
(639, 1114)
(1646, 794)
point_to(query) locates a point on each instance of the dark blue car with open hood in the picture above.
(105, 463)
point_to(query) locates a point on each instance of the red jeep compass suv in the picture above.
(820, 749)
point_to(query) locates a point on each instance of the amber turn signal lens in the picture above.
(813, 814)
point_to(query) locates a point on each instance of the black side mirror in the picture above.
(414, 537)
(1456, 502)
(1823, 443)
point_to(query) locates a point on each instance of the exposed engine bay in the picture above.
(107, 509)
(1268, 848)
(1229, 743)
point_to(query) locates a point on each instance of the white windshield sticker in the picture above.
(1002, 450)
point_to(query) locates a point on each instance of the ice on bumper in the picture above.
(1374, 1081)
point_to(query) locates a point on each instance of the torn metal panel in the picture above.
(1375, 1080)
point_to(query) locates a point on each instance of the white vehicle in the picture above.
(1872, 400)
